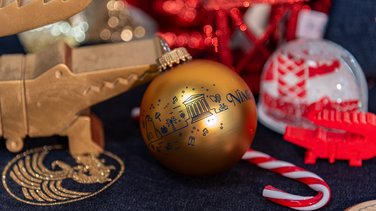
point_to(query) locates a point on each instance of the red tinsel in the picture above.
(206, 28)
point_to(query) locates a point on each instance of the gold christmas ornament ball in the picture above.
(198, 118)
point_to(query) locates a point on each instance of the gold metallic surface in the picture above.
(50, 93)
(199, 118)
(173, 58)
(41, 185)
(18, 16)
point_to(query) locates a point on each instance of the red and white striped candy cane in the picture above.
(293, 172)
(288, 170)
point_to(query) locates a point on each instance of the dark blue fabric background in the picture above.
(146, 185)
(352, 24)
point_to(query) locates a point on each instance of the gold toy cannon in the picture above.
(50, 93)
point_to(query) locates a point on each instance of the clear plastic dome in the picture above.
(303, 72)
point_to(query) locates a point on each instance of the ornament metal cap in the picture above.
(173, 58)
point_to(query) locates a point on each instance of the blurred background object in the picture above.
(241, 34)
(303, 72)
(103, 21)
(122, 22)
(72, 31)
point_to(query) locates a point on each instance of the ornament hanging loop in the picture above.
(164, 46)
(172, 58)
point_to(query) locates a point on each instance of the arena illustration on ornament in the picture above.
(186, 110)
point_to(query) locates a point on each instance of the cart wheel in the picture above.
(14, 144)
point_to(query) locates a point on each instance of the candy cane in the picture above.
(288, 170)
(293, 172)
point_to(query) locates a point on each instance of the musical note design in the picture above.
(174, 100)
(205, 132)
